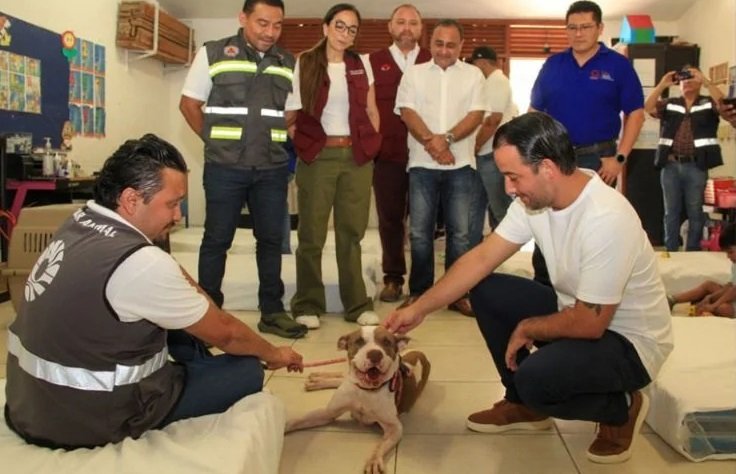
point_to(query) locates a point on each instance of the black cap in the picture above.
(483, 52)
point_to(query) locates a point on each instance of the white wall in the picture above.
(136, 93)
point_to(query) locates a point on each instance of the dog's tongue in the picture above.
(373, 373)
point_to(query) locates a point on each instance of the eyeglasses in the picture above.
(341, 27)
(584, 28)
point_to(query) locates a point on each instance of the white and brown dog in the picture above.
(380, 385)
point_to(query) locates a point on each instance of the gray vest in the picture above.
(244, 123)
(77, 375)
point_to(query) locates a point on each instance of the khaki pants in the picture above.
(332, 182)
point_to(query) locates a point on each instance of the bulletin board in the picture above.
(34, 81)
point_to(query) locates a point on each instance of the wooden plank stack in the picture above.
(135, 32)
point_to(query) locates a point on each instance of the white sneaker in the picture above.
(311, 321)
(368, 318)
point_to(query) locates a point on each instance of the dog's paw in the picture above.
(374, 466)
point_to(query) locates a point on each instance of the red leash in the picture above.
(318, 363)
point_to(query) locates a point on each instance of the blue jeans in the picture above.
(495, 190)
(573, 379)
(457, 190)
(226, 190)
(213, 383)
(683, 183)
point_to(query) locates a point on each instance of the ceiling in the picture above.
(662, 10)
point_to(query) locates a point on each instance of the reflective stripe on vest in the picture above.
(676, 108)
(272, 113)
(280, 71)
(278, 135)
(226, 110)
(701, 142)
(79, 378)
(697, 108)
(232, 66)
(666, 141)
(249, 67)
(226, 133)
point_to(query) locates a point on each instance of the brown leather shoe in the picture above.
(391, 292)
(409, 300)
(463, 307)
(505, 416)
(613, 443)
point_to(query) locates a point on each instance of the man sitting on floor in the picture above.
(602, 331)
(88, 354)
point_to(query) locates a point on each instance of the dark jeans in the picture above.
(226, 190)
(574, 379)
(391, 188)
(213, 383)
(457, 191)
(683, 184)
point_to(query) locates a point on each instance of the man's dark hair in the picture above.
(136, 164)
(250, 5)
(537, 136)
(449, 23)
(585, 6)
(728, 236)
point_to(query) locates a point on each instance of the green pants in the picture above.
(333, 182)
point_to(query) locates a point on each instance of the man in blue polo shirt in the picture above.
(586, 87)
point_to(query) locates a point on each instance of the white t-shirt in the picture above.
(198, 83)
(442, 98)
(150, 285)
(335, 114)
(498, 92)
(404, 61)
(597, 251)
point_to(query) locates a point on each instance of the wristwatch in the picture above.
(621, 158)
(450, 138)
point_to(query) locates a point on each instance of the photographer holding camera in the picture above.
(688, 147)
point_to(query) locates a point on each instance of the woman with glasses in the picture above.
(333, 119)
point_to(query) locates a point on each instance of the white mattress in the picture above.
(247, 438)
(698, 378)
(240, 285)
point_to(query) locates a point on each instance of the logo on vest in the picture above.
(385, 67)
(357, 72)
(231, 51)
(44, 270)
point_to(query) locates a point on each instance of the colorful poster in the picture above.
(33, 95)
(75, 117)
(99, 91)
(20, 83)
(100, 122)
(88, 121)
(88, 85)
(75, 87)
(99, 59)
(87, 89)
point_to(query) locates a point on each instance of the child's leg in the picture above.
(706, 288)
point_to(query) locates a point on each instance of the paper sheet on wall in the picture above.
(649, 135)
(646, 69)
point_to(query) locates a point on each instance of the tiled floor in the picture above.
(435, 439)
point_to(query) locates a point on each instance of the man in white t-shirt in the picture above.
(88, 359)
(441, 102)
(498, 92)
(602, 332)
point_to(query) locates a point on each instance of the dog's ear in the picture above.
(402, 340)
(342, 343)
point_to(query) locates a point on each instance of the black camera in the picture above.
(683, 75)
